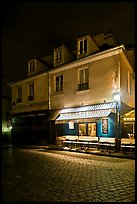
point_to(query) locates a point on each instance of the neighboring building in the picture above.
(6, 119)
(30, 104)
(74, 95)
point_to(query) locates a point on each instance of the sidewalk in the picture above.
(120, 154)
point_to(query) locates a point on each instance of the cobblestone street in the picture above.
(59, 176)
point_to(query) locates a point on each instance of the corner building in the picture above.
(83, 93)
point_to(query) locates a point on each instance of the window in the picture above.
(83, 79)
(58, 56)
(129, 82)
(82, 129)
(59, 83)
(92, 129)
(83, 46)
(87, 129)
(19, 94)
(31, 92)
(31, 66)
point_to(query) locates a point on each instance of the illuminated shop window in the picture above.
(19, 94)
(31, 92)
(82, 129)
(59, 83)
(87, 129)
(92, 129)
(83, 79)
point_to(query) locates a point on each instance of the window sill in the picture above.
(81, 91)
(59, 93)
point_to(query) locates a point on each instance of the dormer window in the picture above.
(58, 56)
(82, 46)
(31, 66)
(86, 46)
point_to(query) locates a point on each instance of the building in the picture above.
(82, 93)
(6, 119)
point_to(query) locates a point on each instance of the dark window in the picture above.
(85, 45)
(81, 47)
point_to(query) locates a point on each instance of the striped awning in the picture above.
(86, 112)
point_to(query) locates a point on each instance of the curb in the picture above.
(42, 148)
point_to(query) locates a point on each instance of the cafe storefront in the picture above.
(98, 120)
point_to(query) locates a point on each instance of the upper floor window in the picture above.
(31, 92)
(31, 66)
(82, 46)
(83, 79)
(58, 56)
(129, 82)
(19, 94)
(59, 83)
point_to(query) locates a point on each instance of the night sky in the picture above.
(35, 29)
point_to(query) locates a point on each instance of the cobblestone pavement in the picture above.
(59, 176)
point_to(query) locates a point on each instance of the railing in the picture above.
(127, 144)
(19, 100)
(30, 98)
(84, 86)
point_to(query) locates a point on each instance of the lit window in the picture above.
(31, 92)
(82, 46)
(82, 129)
(83, 79)
(92, 129)
(59, 83)
(87, 129)
(19, 94)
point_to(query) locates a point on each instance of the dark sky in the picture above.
(35, 29)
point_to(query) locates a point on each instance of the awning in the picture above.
(53, 115)
(86, 112)
(130, 116)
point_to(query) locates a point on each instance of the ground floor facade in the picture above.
(49, 126)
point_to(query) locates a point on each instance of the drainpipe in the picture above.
(49, 105)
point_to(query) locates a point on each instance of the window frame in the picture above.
(83, 79)
(19, 94)
(82, 46)
(88, 129)
(58, 85)
(129, 81)
(58, 56)
(31, 66)
(31, 91)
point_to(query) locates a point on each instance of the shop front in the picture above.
(129, 125)
(97, 120)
